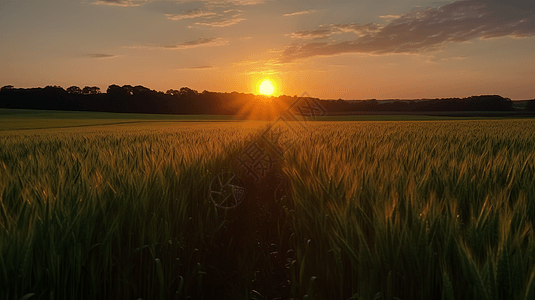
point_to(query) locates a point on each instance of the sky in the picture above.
(367, 49)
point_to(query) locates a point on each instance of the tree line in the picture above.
(139, 99)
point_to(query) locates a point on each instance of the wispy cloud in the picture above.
(420, 31)
(210, 3)
(461, 57)
(319, 33)
(123, 3)
(224, 22)
(191, 14)
(390, 17)
(330, 30)
(213, 13)
(221, 18)
(197, 68)
(202, 42)
(261, 66)
(303, 12)
(233, 2)
(101, 55)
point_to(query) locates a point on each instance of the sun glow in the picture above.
(267, 87)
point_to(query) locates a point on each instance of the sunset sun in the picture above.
(266, 87)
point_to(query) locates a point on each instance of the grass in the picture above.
(372, 210)
(23, 119)
(414, 210)
(415, 117)
(57, 114)
(110, 213)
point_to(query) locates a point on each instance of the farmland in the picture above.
(438, 209)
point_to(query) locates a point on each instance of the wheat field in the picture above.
(370, 210)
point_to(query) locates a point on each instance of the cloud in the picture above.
(303, 12)
(319, 33)
(224, 22)
(262, 66)
(390, 17)
(330, 30)
(197, 68)
(223, 18)
(191, 14)
(212, 3)
(101, 55)
(202, 42)
(421, 31)
(123, 3)
(213, 13)
(233, 2)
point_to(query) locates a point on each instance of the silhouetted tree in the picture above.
(129, 89)
(54, 87)
(530, 106)
(74, 90)
(488, 103)
(112, 88)
(117, 91)
(93, 90)
(187, 92)
(173, 92)
(188, 101)
(140, 90)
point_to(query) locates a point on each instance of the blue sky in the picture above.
(331, 49)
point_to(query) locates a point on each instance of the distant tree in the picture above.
(93, 90)
(129, 89)
(492, 103)
(397, 106)
(370, 104)
(55, 87)
(530, 106)
(117, 91)
(139, 89)
(112, 88)
(173, 92)
(7, 87)
(74, 90)
(187, 92)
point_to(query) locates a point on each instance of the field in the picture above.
(24, 119)
(437, 209)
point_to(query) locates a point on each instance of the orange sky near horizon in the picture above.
(403, 49)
